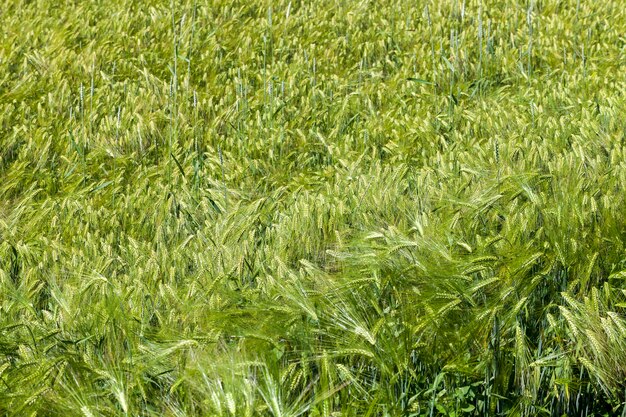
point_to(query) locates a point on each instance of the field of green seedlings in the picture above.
(312, 208)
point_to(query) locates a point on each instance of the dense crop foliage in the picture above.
(328, 208)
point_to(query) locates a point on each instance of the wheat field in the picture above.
(313, 208)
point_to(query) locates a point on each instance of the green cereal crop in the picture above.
(313, 208)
